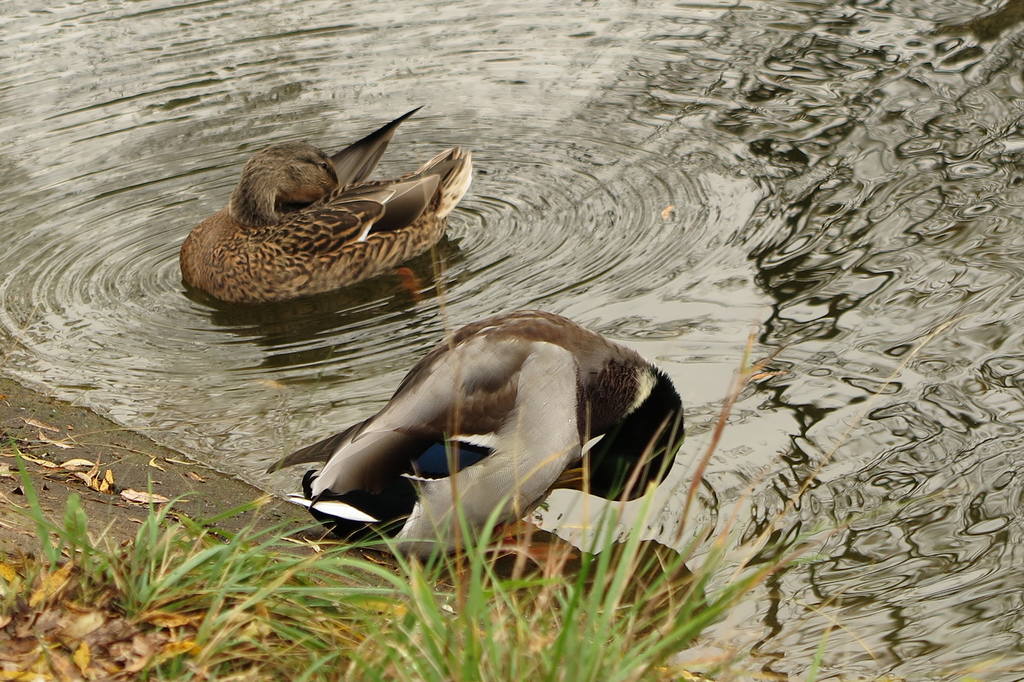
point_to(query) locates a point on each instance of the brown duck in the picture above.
(301, 222)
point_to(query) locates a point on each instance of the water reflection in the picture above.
(846, 177)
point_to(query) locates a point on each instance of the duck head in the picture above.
(279, 179)
(639, 447)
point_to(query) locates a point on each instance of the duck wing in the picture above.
(535, 444)
(513, 399)
(354, 163)
(322, 232)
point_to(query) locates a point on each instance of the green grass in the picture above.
(188, 601)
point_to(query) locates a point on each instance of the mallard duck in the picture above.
(302, 222)
(497, 415)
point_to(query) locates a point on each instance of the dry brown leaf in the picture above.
(142, 649)
(45, 463)
(667, 212)
(51, 585)
(195, 477)
(142, 497)
(84, 624)
(77, 462)
(66, 444)
(153, 463)
(64, 668)
(165, 619)
(81, 657)
(40, 425)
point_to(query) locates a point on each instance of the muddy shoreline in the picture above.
(52, 434)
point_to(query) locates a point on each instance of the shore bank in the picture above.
(71, 449)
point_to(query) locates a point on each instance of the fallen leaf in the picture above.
(81, 656)
(172, 649)
(59, 662)
(40, 425)
(45, 463)
(195, 477)
(667, 212)
(143, 498)
(142, 649)
(78, 462)
(59, 443)
(178, 461)
(51, 584)
(5, 471)
(165, 619)
(270, 383)
(84, 624)
(8, 573)
(153, 463)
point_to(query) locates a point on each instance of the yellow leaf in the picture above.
(8, 573)
(51, 585)
(152, 463)
(172, 649)
(75, 463)
(45, 463)
(59, 443)
(195, 477)
(81, 656)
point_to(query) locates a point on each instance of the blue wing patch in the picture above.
(433, 462)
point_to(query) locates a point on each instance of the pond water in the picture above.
(843, 177)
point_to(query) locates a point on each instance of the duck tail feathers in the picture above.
(354, 163)
(336, 509)
(317, 452)
(455, 168)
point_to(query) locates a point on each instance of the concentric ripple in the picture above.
(565, 213)
(843, 178)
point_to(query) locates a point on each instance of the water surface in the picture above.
(843, 177)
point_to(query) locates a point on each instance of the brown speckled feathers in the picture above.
(301, 222)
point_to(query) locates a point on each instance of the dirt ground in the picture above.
(52, 434)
